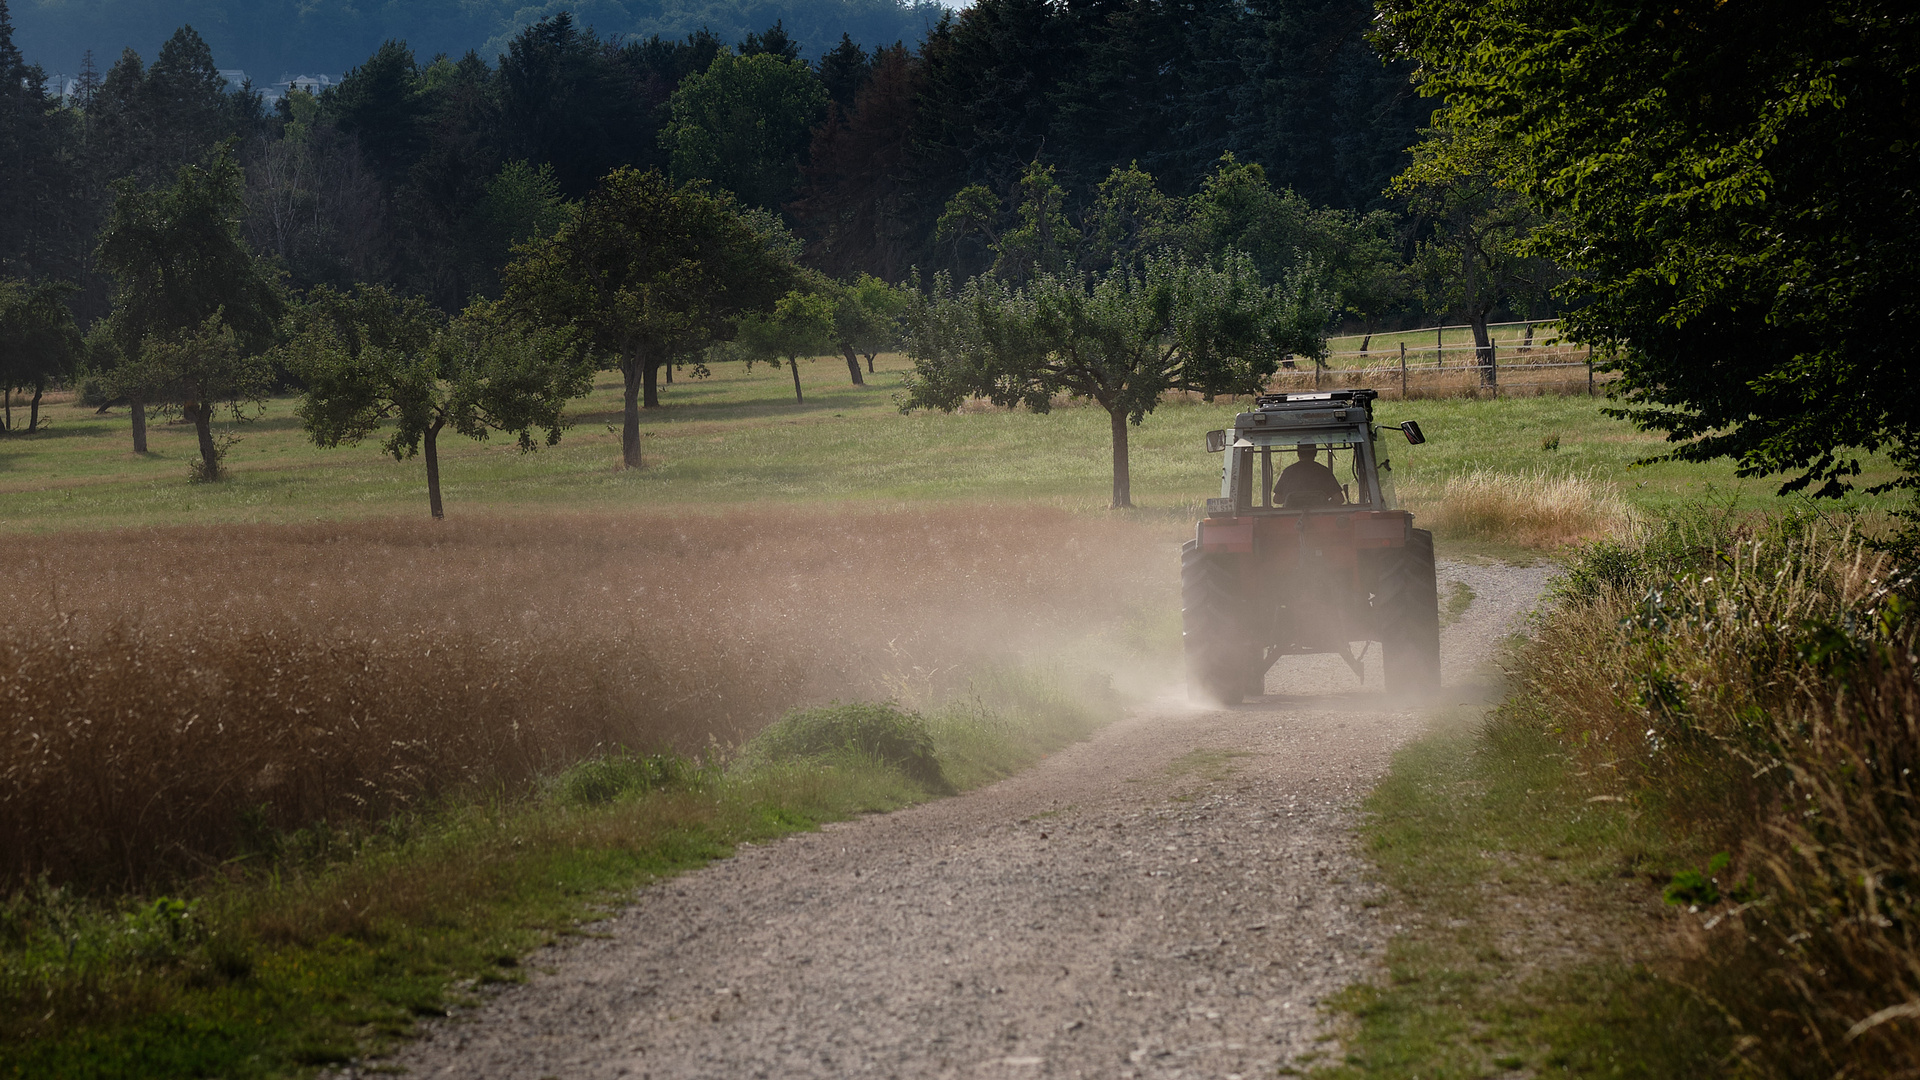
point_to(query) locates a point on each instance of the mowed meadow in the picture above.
(738, 438)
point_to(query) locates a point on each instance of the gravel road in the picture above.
(1170, 899)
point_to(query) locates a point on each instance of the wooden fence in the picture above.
(1521, 359)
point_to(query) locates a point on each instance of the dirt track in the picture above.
(1171, 899)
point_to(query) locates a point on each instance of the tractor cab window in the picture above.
(1288, 471)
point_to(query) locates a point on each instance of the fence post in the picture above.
(1493, 366)
(1589, 371)
(1403, 371)
(1440, 345)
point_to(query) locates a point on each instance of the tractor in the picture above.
(1327, 561)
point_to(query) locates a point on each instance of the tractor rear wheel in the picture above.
(1219, 652)
(1409, 605)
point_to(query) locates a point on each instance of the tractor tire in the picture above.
(1219, 652)
(1409, 604)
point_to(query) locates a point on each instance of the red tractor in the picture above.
(1309, 557)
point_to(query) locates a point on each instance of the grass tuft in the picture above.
(1535, 509)
(882, 731)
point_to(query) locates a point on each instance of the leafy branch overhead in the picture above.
(1731, 192)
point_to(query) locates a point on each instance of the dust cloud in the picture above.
(165, 689)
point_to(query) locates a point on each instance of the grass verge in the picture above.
(327, 959)
(1530, 916)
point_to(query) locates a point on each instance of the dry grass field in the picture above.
(176, 695)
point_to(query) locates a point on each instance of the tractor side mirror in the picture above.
(1216, 441)
(1412, 431)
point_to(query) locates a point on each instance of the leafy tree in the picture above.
(1131, 219)
(866, 321)
(198, 370)
(39, 343)
(742, 124)
(648, 272)
(1732, 193)
(375, 362)
(1119, 338)
(1039, 238)
(180, 267)
(800, 324)
(1478, 256)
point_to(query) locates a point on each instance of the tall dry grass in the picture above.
(1532, 509)
(1756, 684)
(174, 699)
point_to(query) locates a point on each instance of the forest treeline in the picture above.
(418, 172)
(272, 37)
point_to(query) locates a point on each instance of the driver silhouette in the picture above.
(1306, 482)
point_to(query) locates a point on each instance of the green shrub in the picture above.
(882, 731)
(601, 780)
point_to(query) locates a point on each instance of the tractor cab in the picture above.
(1337, 426)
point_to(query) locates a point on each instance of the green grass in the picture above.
(320, 961)
(1518, 897)
(739, 438)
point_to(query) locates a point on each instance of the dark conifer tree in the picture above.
(382, 105)
(857, 206)
(844, 70)
(773, 40)
(563, 101)
(23, 147)
(185, 101)
(1327, 117)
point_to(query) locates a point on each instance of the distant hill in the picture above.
(269, 38)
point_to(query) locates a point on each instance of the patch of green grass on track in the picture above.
(1518, 901)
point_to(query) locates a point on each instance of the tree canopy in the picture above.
(1119, 338)
(1731, 188)
(742, 123)
(649, 272)
(373, 362)
(39, 343)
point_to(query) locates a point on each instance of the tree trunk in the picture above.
(794, 363)
(33, 413)
(432, 441)
(869, 363)
(1482, 347)
(853, 365)
(201, 413)
(139, 427)
(6, 412)
(1366, 341)
(669, 373)
(650, 373)
(1122, 479)
(630, 423)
